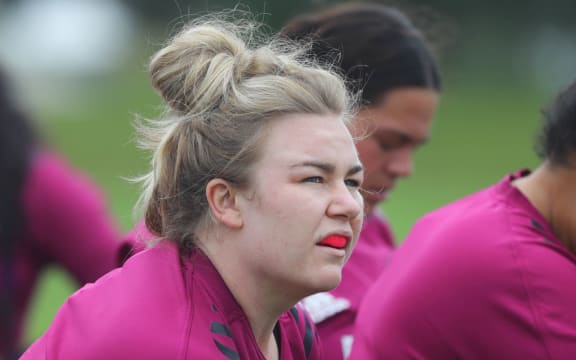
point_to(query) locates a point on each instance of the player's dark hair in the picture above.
(16, 148)
(380, 48)
(556, 141)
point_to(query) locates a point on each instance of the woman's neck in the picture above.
(258, 297)
(552, 191)
(260, 307)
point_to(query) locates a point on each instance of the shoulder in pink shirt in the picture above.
(162, 306)
(334, 312)
(481, 278)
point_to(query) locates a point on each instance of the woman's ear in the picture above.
(223, 203)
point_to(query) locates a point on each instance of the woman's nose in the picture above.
(346, 202)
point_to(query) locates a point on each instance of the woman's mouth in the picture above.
(335, 241)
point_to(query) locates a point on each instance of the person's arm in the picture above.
(69, 220)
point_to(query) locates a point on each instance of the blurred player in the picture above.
(50, 214)
(489, 276)
(254, 194)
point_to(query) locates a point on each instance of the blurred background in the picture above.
(80, 70)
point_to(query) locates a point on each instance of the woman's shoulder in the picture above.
(123, 311)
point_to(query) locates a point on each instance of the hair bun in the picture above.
(262, 61)
(191, 72)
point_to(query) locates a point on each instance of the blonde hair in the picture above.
(219, 92)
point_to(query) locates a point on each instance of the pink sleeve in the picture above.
(68, 220)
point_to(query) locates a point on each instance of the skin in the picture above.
(265, 244)
(390, 131)
(551, 191)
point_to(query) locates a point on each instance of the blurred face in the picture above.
(303, 212)
(389, 132)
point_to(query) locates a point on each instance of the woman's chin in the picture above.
(328, 281)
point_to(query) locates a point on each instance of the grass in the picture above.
(484, 129)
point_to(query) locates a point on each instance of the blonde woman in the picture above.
(254, 197)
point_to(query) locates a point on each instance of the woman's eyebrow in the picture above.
(402, 135)
(355, 170)
(328, 167)
(324, 166)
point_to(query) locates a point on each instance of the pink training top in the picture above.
(482, 278)
(334, 312)
(66, 223)
(163, 306)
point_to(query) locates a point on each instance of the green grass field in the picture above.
(484, 129)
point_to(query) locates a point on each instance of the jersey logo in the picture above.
(221, 329)
(308, 339)
(321, 306)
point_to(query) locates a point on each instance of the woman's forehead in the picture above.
(306, 137)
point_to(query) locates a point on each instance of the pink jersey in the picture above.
(334, 312)
(160, 305)
(482, 278)
(67, 224)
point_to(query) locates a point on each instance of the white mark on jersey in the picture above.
(323, 305)
(346, 342)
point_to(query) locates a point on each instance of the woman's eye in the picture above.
(314, 179)
(352, 183)
(388, 145)
(390, 142)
